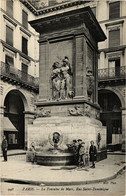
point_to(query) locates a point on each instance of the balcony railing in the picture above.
(12, 72)
(112, 73)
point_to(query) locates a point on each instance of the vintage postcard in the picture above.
(62, 97)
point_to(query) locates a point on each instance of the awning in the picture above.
(8, 126)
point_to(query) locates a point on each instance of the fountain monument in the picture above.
(67, 108)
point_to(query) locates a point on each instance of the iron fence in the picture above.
(112, 73)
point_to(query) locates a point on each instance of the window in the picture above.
(9, 7)
(9, 61)
(116, 126)
(24, 46)
(114, 38)
(94, 10)
(9, 35)
(24, 72)
(114, 67)
(24, 19)
(114, 10)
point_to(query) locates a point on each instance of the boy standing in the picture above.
(93, 153)
(82, 154)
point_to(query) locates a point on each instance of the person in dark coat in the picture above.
(4, 146)
(93, 154)
(79, 141)
(82, 155)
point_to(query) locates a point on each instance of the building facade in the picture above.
(17, 37)
(112, 70)
(19, 71)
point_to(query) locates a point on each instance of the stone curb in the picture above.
(42, 183)
(112, 153)
(14, 154)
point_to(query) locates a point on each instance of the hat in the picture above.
(79, 140)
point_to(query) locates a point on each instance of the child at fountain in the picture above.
(79, 141)
(93, 153)
(33, 152)
(82, 155)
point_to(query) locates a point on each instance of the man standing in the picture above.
(4, 146)
(93, 153)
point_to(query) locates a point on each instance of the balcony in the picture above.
(112, 73)
(16, 76)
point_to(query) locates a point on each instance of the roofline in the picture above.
(52, 17)
(45, 10)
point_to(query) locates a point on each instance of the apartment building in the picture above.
(19, 71)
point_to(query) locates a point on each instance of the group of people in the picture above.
(77, 147)
(79, 150)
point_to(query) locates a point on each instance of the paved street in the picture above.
(30, 179)
(110, 187)
(18, 169)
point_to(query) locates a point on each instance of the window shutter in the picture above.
(9, 35)
(24, 46)
(24, 72)
(24, 19)
(9, 60)
(114, 38)
(114, 10)
(9, 5)
(24, 68)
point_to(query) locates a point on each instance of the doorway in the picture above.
(110, 114)
(14, 108)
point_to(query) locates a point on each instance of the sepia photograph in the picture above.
(62, 97)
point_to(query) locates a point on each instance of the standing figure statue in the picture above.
(56, 80)
(66, 72)
(90, 83)
(61, 80)
(98, 140)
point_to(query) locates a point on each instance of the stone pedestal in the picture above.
(29, 118)
(70, 128)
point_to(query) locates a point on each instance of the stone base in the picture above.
(101, 155)
(70, 128)
(60, 159)
(55, 160)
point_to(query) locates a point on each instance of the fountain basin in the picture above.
(54, 159)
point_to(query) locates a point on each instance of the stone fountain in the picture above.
(67, 107)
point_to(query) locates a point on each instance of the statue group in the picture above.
(62, 80)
